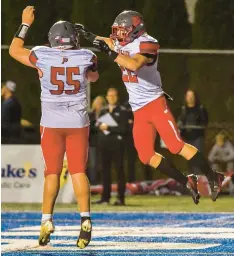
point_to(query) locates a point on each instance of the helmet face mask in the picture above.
(121, 34)
(127, 26)
(63, 35)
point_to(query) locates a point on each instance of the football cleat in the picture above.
(47, 228)
(85, 232)
(192, 187)
(216, 185)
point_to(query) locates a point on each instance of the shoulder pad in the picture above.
(86, 51)
(146, 37)
(40, 47)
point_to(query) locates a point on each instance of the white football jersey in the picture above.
(143, 85)
(63, 85)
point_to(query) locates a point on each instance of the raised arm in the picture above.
(17, 50)
(105, 45)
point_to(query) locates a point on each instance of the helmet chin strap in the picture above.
(134, 33)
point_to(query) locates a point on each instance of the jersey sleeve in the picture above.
(93, 63)
(35, 55)
(148, 47)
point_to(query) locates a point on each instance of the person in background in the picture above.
(11, 114)
(111, 139)
(221, 158)
(131, 152)
(221, 155)
(97, 105)
(192, 123)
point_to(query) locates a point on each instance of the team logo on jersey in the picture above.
(127, 53)
(64, 60)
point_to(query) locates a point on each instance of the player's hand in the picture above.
(102, 46)
(28, 15)
(80, 28)
(103, 127)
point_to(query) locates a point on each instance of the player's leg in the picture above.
(77, 153)
(144, 134)
(167, 128)
(53, 149)
(196, 158)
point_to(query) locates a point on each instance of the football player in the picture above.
(64, 71)
(136, 53)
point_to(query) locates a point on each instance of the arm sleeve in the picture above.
(33, 58)
(149, 50)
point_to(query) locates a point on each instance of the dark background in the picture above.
(211, 75)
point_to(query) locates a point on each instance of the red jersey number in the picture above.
(69, 72)
(129, 77)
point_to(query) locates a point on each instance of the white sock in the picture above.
(85, 214)
(46, 217)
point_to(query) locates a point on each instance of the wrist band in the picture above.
(113, 54)
(22, 31)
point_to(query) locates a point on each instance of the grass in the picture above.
(141, 203)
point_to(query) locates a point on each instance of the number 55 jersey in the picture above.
(64, 84)
(143, 85)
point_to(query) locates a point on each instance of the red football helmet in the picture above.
(128, 25)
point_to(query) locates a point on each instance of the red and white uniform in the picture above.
(143, 85)
(64, 120)
(147, 100)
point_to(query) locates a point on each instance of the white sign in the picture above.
(23, 176)
(22, 173)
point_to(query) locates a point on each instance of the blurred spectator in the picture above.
(131, 152)
(221, 158)
(97, 105)
(192, 122)
(11, 115)
(112, 130)
(221, 155)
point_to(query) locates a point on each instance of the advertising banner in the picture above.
(22, 173)
(23, 176)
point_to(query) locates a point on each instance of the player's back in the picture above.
(63, 84)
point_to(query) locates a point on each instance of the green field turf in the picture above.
(142, 203)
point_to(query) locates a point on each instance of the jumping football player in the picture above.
(136, 53)
(64, 71)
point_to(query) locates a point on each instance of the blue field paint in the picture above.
(124, 234)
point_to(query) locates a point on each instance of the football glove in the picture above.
(103, 47)
(80, 28)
